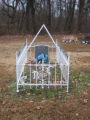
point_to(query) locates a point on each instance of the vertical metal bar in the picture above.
(30, 52)
(61, 66)
(68, 73)
(55, 73)
(49, 74)
(42, 73)
(61, 77)
(17, 74)
(26, 51)
(36, 74)
(30, 75)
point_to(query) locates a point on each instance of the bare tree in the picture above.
(49, 13)
(12, 7)
(80, 14)
(70, 15)
(59, 15)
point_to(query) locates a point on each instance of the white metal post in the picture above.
(17, 74)
(36, 74)
(30, 75)
(49, 74)
(55, 73)
(42, 74)
(68, 73)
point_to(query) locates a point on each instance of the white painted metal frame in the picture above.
(62, 60)
(21, 60)
(43, 26)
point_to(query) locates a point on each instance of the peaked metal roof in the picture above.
(43, 26)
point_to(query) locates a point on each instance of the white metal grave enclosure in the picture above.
(45, 74)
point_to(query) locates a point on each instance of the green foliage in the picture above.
(78, 80)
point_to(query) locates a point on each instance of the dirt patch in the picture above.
(53, 109)
(79, 60)
(79, 54)
(86, 59)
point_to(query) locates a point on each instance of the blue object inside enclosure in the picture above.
(67, 39)
(42, 57)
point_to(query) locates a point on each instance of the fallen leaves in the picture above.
(0, 89)
(13, 110)
(4, 102)
(77, 114)
(28, 94)
(85, 93)
(88, 84)
(85, 101)
(39, 107)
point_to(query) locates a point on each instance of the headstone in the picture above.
(41, 49)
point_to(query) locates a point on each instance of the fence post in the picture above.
(17, 90)
(68, 73)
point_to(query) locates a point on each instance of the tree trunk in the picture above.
(49, 14)
(27, 15)
(80, 15)
(70, 16)
(32, 3)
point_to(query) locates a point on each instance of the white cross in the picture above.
(36, 75)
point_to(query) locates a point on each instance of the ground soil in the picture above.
(52, 109)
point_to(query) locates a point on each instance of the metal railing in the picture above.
(21, 59)
(44, 74)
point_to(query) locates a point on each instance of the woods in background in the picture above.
(26, 16)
